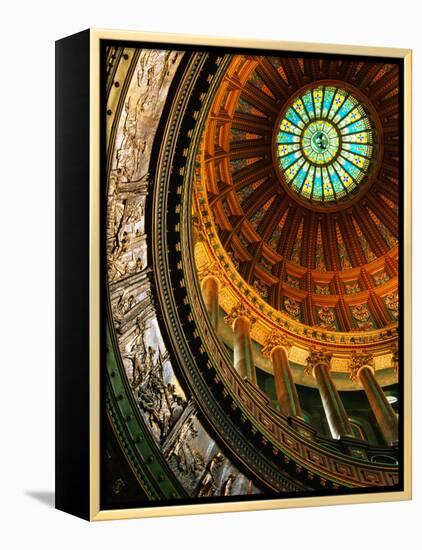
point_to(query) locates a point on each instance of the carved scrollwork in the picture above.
(318, 356)
(359, 360)
(361, 313)
(292, 307)
(211, 269)
(198, 228)
(326, 317)
(273, 340)
(240, 310)
(392, 304)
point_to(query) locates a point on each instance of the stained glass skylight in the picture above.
(324, 145)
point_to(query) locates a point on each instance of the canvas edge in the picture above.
(96, 514)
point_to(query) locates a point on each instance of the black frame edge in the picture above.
(72, 91)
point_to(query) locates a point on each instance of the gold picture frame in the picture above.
(91, 509)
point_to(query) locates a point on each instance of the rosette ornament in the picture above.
(325, 144)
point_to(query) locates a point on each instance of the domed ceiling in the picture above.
(302, 180)
(269, 185)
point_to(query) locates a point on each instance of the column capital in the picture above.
(318, 356)
(210, 270)
(358, 360)
(239, 310)
(273, 340)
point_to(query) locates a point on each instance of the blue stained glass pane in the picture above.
(337, 103)
(307, 100)
(283, 137)
(350, 168)
(357, 148)
(344, 109)
(335, 180)
(301, 175)
(289, 159)
(355, 127)
(294, 168)
(309, 183)
(357, 160)
(286, 148)
(299, 107)
(328, 98)
(317, 192)
(292, 116)
(328, 188)
(318, 96)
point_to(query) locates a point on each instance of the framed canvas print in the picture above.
(233, 274)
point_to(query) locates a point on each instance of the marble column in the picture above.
(383, 411)
(276, 347)
(362, 369)
(241, 322)
(319, 363)
(210, 288)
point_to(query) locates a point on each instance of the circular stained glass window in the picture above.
(324, 144)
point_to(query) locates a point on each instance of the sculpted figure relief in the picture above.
(227, 485)
(188, 460)
(160, 401)
(208, 484)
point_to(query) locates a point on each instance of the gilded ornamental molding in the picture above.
(318, 356)
(359, 359)
(237, 311)
(274, 340)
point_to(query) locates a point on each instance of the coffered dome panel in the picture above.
(302, 172)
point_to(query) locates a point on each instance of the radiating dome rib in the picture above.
(337, 213)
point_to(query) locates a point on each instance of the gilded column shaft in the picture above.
(333, 406)
(383, 411)
(210, 289)
(243, 355)
(284, 385)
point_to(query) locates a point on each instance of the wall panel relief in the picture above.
(167, 411)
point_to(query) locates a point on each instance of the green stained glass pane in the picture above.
(317, 95)
(324, 144)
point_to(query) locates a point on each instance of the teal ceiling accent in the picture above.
(324, 144)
